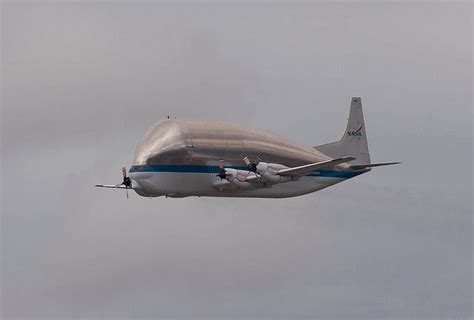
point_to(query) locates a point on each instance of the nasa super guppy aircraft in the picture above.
(192, 158)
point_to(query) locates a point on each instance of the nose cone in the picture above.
(162, 143)
(145, 184)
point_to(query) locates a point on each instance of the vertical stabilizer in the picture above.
(354, 141)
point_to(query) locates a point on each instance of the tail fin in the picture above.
(354, 141)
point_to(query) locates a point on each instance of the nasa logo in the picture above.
(356, 133)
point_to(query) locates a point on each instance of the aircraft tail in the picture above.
(354, 141)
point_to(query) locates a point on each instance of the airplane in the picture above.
(177, 158)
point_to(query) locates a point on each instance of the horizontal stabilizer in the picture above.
(364, 166)
(120, 186)
(308, 168)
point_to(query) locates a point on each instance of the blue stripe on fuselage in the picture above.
(215, 169)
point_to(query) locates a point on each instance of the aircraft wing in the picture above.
(364, 166)
(120, 186)
(308, 168)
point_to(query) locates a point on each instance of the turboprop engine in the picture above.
(259, 173)
(266, 172)
(234, 178)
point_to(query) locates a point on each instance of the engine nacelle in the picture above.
(237, 179)
(263, 175)
(274, 178)
(268, 172)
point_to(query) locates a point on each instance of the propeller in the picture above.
(252, 165)
(222, 174)
(127, 182)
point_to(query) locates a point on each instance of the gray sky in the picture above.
(81, 83)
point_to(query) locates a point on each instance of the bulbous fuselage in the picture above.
(203, 143)
(181, 158)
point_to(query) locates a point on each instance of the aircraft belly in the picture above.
(174, 184)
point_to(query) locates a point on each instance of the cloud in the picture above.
(83, 81)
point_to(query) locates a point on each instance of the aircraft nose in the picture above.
(143, 185)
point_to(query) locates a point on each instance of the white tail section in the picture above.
(354, 141)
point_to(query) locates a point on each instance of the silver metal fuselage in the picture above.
(181, 158)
